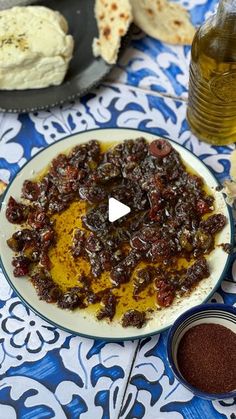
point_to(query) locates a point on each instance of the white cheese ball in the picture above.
(35, 50)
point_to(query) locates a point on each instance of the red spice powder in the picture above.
(207, 358)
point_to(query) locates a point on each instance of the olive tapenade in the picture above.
(77, 259)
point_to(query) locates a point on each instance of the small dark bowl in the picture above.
(222, 314)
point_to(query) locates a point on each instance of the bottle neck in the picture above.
(226, 16)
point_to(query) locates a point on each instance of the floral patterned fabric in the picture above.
(46, 372)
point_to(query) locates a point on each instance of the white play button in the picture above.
(117, 209)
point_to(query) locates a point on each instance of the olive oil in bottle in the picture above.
(211, 109)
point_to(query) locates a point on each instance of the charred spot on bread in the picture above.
(106, 32)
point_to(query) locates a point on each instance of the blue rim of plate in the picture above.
(197, 309)
(118, 339)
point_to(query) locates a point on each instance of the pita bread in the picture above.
(163, 20)
(113, 20)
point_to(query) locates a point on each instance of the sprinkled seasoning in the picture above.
(17, 41)
(207, 358)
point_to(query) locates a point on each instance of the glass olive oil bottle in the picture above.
(211, 109)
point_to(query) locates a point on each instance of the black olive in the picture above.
(160, 148)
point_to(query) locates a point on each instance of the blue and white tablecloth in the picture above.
(48, 373)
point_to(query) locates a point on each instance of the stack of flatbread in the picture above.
(161, 19)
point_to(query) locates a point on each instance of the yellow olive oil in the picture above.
(66, 270)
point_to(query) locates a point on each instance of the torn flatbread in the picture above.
(163, 20)
(113, 20)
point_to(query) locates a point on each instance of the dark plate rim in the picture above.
(105, 338)
(61, 102)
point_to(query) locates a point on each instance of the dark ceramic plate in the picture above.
(85, 70)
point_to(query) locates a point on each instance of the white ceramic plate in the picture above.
(80, 322)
